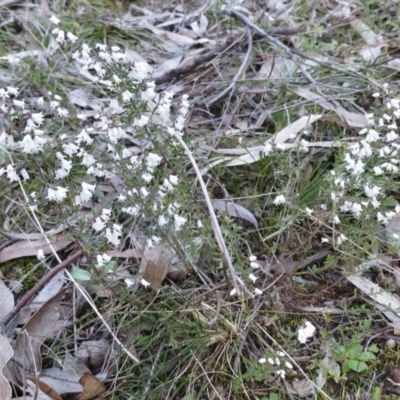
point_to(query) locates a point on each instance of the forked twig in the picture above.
(275, 41)
(246, 59)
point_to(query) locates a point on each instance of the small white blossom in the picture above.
(40, 255)
(179, 222)
(262, 360)
(280, 199)
(98, 225)
(258, 292)
(253, 278)
(144, 283)
(114, 234)
(54, 20)
(305, 332)
(58, 194)
(233, 292)
(85, 194)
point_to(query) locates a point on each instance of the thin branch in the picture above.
(45, 278)
(214, 220)
(239, 16)
(238, 75)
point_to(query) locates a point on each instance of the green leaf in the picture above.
(357, 366)
(366, 356)
(373, 348)
(110, 267)
(273, 396)
(353, 351)
(81, 274)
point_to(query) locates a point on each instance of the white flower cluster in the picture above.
(369, 164)
(148, 193)
(253, 278)
(279, 363)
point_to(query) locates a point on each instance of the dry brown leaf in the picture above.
(129, 253)
(91, 387)
(46, 322)
(6, 352)
(354, 120)
(155, 265)
(6, 300)
(43, 388)
(28, 248)
(93, 352)
(389, 303)
(33, 236)
(235, 210)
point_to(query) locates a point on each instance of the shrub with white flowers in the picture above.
(130, 141)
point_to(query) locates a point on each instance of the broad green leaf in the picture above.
(353, 351)
(366, 356)
(81, 274)
(357, 366)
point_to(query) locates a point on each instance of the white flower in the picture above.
(341, 238)
(258, 292)
(60, 35)
(40, 255)
(85, 194)
(262, 360)
(147, 93)
(253, 278)
(58, 194)
(309, 211)
(179, 222)
(19, 103)
(152, 160)
(62, 112)
(288, 365)
(12, 91)
(105, 214)
(271, 361)
(254, 265)
(199, 224)
(113, 235)
(281, 373)
(72, 37)
(144, 192)
(65, 167)
(98, 225)
(24, 174)
(142, 121)
(267, 149)
(126, 96)
(139, 71)
(173, 179)
(54, 20)
(233, 292)
(37, 118)
(167, 185)
(129, 282)
(305, 332)
(32, 143)
(134, 211)
(102, 259)
(162, 220)
(147, 177)
(253, 258)
(12, 173)
(280, 199)
(144, 283)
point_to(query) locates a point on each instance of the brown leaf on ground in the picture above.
(91, 386)
(46, 322)
(6, 352)
(28, 248)
(6, 300)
